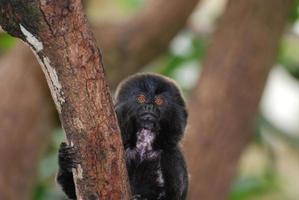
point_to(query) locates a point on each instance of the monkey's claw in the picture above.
(67, 157)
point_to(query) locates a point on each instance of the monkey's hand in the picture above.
(67, 157)
(153, 155)
(67, 160)
(131, 155)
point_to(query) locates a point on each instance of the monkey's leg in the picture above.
(175, 175)
(67, 161)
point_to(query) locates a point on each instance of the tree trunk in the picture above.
(224, 103)
(58, 34)
(26, 117)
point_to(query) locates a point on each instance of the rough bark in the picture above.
(129, 46)
(224, 103)
(58, 34)
(20, 141)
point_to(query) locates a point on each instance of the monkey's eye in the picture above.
(141, 99)
(159, 100)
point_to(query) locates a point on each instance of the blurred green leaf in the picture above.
(288, 55)
(130, 4)
(48, 166)
(6, 41)
(46, 191)
(39, 192)
(248, 187)
(294, 13)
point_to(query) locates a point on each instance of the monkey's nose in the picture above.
(150, 109)
(148, 125)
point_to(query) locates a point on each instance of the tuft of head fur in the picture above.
(148, 82)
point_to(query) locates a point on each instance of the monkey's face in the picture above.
(153, 102)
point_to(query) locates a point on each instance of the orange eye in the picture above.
(159, 100)
(141, 98)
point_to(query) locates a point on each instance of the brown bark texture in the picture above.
(20, 141)
(129, 46)
(224, 103)
(58, 34)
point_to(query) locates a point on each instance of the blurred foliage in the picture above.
(289, 47)
(193, 52)
(46, 188)
(291, 139)
(6, 41)
(294, 13)
(130, 4)
(249, 187)
(182, 60)
(288, 55)
(259, 182)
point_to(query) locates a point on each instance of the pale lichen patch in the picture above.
(78, 194)
(53, 81)
(79, 172)
(50, 72)
(78, 124)
(37, 45)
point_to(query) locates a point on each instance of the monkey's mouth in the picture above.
(149, 122)
(148, 125)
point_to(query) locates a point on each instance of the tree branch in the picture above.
(131, 45)
(59, 35)
(224, 103)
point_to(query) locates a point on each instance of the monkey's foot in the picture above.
(67, 157)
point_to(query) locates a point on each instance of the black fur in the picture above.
(66, 161)
(150, 133)
(167, 123)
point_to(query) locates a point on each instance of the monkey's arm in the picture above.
(66, 162)
(175, 175)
